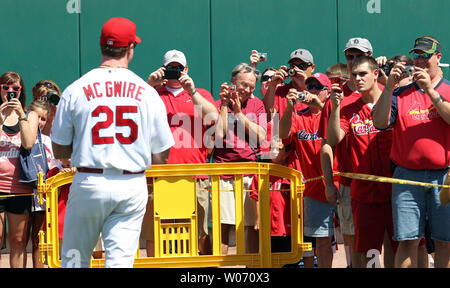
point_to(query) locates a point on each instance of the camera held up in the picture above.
(11, 95)
(262, 57)
(301, 96)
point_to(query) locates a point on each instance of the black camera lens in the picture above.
(53, 98)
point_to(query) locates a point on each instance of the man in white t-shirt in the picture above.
(113, 126)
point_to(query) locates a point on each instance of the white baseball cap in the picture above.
(361, 44)
(174, 56)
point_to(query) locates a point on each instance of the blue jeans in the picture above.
(318, 218)
(412, 204)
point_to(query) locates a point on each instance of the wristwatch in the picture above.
(25, 118)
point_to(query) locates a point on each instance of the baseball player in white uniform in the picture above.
(113, 126)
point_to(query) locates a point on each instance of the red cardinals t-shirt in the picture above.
(369, 152)
(421, 137)
(305, 125)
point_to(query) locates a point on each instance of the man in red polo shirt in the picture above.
(369, 154)
(190, 111)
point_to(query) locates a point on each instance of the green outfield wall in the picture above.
(59, 39)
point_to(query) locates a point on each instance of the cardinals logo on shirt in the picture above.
(360, 127)
(302, 135)
(418, 114)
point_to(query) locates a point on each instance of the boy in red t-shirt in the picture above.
(369, 154)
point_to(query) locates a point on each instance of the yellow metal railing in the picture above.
(175, 217)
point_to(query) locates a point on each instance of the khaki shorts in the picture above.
(345, 211)
(227, 202)
(203, 188)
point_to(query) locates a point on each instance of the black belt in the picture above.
(100, 171)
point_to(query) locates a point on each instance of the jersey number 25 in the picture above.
(120, 121)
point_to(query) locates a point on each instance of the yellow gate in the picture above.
(175, 217)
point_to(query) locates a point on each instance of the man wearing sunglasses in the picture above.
(301, 66)
(419, 115)
(190, 111)
(299, 129)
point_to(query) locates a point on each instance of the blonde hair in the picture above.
(338, 70)
(39, 104)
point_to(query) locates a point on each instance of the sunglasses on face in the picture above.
(422, 56)
(13, 87)
(302, 66)
(337, 80)
(266, 78)
(317, 86)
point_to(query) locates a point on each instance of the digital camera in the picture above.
(387, 68)
(173, 72)
(11, 95)
(262, 57)
(291, 72)
(409, 69)
(301, 96)
(53, 98)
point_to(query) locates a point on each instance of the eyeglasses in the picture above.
(266, 78)
(424, 56)
(301, 66)
(46, 84)
(317, 86)
(14, 87)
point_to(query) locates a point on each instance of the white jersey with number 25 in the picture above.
(114, 119)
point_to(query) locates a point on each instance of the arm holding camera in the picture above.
(221, 126)
(254, 59)
(199, 101)
(286, 120)
(425, 83)
(28, 123)
(156, 78)
(382, 111)
(334, 132)
(269, 97)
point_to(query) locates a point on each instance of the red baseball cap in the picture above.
(322, 78)
(119, 32)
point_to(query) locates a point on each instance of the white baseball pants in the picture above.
(110, 203)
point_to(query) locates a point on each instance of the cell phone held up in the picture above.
(173, 72)
(11, 95)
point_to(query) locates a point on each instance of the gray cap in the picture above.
(303, 55)
(361, 44)
(174, 56)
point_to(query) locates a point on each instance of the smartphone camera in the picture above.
(11, 95)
